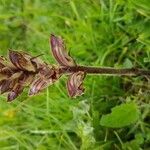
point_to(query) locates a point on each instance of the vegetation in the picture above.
(114, 112)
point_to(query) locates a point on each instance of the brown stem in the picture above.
(109, 71)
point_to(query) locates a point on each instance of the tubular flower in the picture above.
(75, 84)
(22, 61)
(46, 76)
(59, 51)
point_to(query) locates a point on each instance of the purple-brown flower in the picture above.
(59, 51)
(46, 76)
(22, 61)
(75, 84)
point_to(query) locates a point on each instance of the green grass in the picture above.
(112, 33)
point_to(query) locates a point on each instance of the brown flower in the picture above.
(15, 92)
(22, 61)
(75, 84)
(46, 76)
(59, 52)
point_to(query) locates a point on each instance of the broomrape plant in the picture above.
(23, 70)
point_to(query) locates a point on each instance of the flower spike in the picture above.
(23, 70)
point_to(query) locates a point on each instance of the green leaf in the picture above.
(127, 63)
(134, 144)
(122, 115)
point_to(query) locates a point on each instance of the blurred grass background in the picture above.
(112, 33)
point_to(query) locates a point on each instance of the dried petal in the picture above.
(22, 61)
(6, 85)
(46, 70)
(59, 52)
(5, 73)
(11, 96)
(2, 83)
(9, 84)
(25, 79)
(75, 84)
(47, 76)
(16, 91)
(37, 86)
(4, 63)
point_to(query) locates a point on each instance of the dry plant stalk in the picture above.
(23, 70)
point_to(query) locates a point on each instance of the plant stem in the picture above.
(104, 70)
